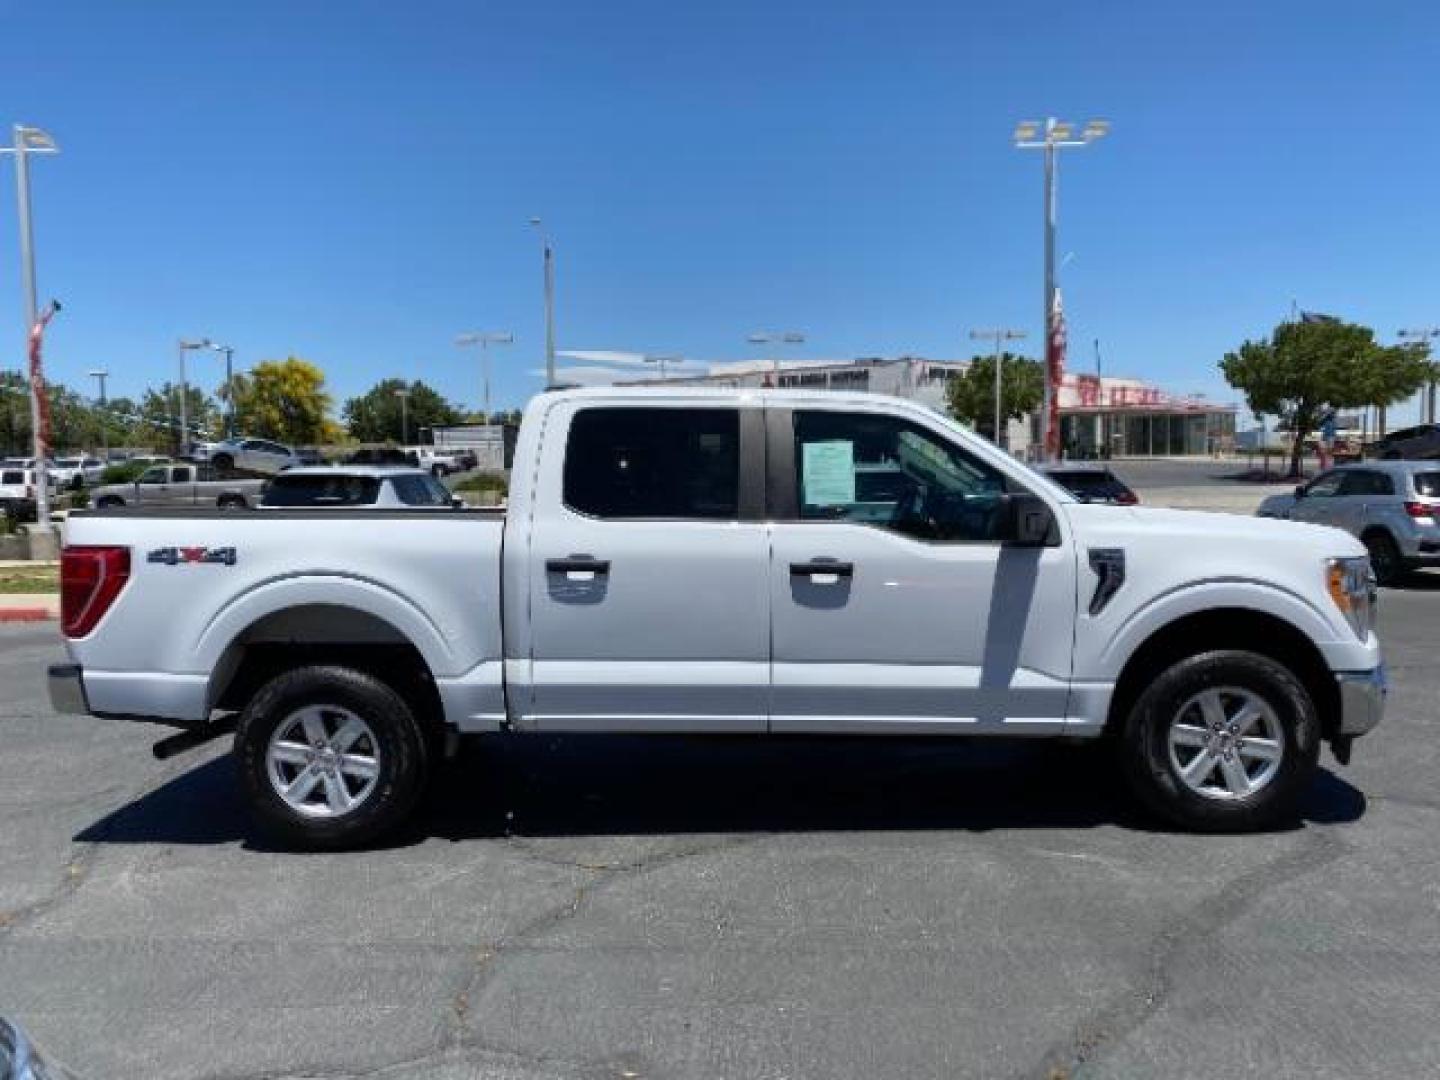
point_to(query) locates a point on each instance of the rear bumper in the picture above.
(67, 690)
(1362, 700)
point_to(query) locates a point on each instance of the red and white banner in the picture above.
(1055, 370)
(37, 380)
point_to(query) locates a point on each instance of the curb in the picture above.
(27, 614)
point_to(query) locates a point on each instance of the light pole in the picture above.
(100, 375)
(548, 252)
(27, 141)
(999, 337)
(485, 340)
(772, 337)
(663, 361)
(1053, 136)
(1427, 403)
(404, 396)
(182, 347)
(229, 384)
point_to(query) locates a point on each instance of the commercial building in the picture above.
(1105, 416)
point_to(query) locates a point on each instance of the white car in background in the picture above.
(77, 472)
(253, 455)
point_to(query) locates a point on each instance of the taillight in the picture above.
(1420, 510)
(1127, 498)
(90, 580)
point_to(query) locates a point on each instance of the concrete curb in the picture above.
(29, 607)
(27, 615)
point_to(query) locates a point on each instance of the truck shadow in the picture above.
(649, 785)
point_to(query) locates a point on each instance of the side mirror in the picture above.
(1027, 521)
(1299, 491)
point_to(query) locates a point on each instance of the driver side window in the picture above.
(885, 471)
(1325, 487)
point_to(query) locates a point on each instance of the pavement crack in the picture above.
(1127, 1010)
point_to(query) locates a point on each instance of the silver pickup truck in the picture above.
(179, 485)
(734, 562)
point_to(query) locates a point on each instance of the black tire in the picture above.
(223, 462)
(401, 748)
(231, 502)
(108, 501)
(1385, 558)
(1147, 759)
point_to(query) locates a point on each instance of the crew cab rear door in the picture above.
(895, 607)
(647, 569)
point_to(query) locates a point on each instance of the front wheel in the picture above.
(1385, 558)
(1225, 741)
(109, 502)
(330, 758)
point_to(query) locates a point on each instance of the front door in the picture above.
(1321, 499)
(649, 606)
(895, 606)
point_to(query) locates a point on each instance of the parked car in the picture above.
(1091, 483)
(18, 486)
(1393, 507)
(350, 486)
(699, 561)
(77, 472)
(179, 484)
(252, 455)
(438, 460)
(1410, 444)
(21, 1059)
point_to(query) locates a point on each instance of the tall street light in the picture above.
(664, 361)
(485, 339)
(100, 375)
(182, 347)
(772, 338)
(548, 252)
(27, 141)
(229, 384)
(999, 337)
(1427, 404)
(404, 396)
(1052, 136)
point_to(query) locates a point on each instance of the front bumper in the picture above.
(1362, 700)
(67, 690)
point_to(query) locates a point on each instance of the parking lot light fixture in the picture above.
(1052, 136)
(484, 339)
(773, 338)
(100, 375)
(404, 396)
(999, 337)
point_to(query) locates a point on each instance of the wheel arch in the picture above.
(1247, 629)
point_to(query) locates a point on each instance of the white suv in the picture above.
(255, 455)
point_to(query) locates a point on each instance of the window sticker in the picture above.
(828, 475)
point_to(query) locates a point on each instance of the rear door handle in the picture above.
(823, 567)
(578, 564)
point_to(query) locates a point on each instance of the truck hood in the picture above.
(1230, 532)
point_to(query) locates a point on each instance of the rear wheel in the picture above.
(330, 757)
(1225, 741)
(109, 501)
(1385, 557)
(230, 502)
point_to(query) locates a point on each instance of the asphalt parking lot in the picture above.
(710, 908)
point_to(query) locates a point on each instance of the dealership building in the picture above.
(1107, 416)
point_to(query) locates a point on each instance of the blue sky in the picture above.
(351, 182)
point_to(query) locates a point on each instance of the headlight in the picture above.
(1351, 584)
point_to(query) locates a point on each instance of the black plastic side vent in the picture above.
(1109, 566)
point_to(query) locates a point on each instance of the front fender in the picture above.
(1190, 599)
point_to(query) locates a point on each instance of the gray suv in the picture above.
(1392, 506)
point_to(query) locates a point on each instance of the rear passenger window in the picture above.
(1367, 482)
(654, 463)
(180, 476)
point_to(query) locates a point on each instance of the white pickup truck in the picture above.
(728, 561)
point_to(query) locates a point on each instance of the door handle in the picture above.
(827, 567)
(578, 564)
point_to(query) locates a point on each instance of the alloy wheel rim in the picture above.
(323, 761)
(1226, 743)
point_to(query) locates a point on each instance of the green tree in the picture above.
(1306, 368)
(158, 417)
(284, 400)
(376, 416)
(971, 394)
